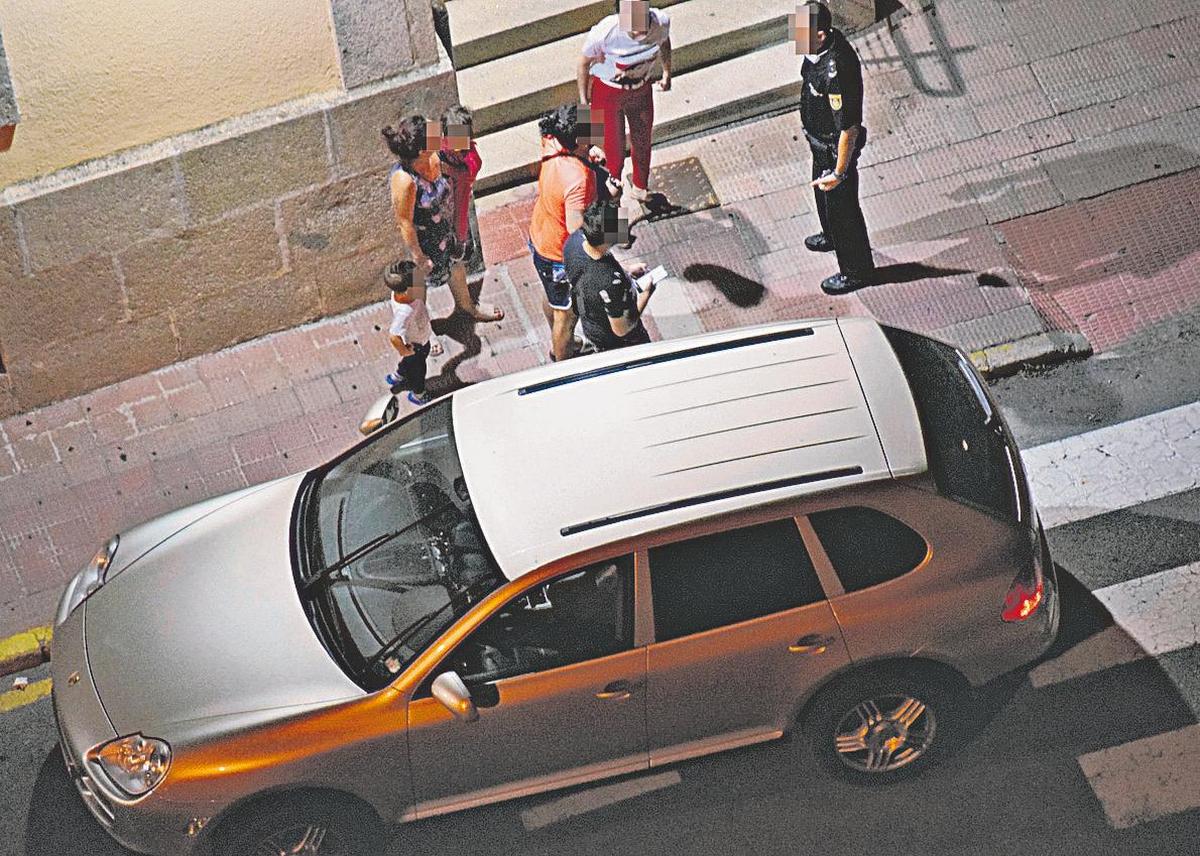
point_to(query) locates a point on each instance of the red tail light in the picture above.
(1024, 597)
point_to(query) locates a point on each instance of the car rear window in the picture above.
(729, 577)
(965, 439)
(866, 546)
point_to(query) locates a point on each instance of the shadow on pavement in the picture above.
(739, 290)
(58, 821)
(911, 272)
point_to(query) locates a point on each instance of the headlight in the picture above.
(84, 583)
(135, 764)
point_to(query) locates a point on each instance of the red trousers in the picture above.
(616, 105)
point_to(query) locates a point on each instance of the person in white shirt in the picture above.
(410, 331)
(620, 57)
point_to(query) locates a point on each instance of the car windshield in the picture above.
(390, 549)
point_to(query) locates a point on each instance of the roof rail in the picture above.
(807, 478)
(760, 339)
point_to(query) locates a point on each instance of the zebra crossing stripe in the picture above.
(1117, 466)
(1146, 779)
(1154, 615)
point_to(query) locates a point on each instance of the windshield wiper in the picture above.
(325, 574)
(408, 632)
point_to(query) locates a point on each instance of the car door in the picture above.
(742, 632)
(560, 692)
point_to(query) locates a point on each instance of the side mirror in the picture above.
(383, 411)
(449, 689)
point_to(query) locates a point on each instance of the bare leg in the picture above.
(562, 330)
(463, 300)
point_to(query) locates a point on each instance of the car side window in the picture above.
(866, 546)
(729, 577)
(582, 615)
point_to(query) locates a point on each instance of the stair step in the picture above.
(514, 89)
(484, 30)
(749, 85)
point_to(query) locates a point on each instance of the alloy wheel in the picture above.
(883, 734)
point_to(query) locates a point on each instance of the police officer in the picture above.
(831, 112)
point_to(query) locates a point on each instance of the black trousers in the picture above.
(411, 369)
(841, 215)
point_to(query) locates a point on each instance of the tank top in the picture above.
(433, 215)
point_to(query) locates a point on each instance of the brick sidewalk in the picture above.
(1014, 186)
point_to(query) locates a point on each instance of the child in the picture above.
(410, 332)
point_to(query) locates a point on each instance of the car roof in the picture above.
(570, 456)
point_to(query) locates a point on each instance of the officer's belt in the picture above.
(818, 143)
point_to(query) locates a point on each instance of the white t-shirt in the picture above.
(410, 321)
(624, 59)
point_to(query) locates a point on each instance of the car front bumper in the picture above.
(146, 825)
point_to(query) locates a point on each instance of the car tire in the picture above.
(883, 726)
(312, 826)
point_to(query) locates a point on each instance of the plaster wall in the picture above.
(93, 77)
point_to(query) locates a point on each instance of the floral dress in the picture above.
(433, 218)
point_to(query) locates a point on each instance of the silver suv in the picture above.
(558, 576)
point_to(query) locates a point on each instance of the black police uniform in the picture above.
(832, 102)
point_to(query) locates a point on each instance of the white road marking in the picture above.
(1116, 467)
(595, 798)
(1146, 779)
(1111, 647)
(1154, 615)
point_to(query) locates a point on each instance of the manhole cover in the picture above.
(680, 187)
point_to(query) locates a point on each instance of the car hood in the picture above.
(208, 623)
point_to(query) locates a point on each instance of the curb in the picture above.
(25, 650)
(1041, 349)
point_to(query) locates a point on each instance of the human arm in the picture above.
(404, 200)
(846, 102)
(402, 348)
(665, 53)
(583, 78)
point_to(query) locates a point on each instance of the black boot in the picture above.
(841, 283)
(819, 243)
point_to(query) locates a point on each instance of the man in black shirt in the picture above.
(609, 304)
(831, 112)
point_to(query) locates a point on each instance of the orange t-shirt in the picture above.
(563, 184)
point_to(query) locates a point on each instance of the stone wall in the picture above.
(191, 244)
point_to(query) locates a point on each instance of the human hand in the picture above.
(424, 262)
(596, 155)
(637, 270)
(827, 182)
(664, 85)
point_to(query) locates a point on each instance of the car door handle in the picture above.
(616, 691)
(813, 643)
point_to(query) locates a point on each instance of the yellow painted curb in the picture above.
(13, 699)
(25, 650)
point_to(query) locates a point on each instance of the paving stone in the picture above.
(339, 220)
(53, 305)
(255, 167)
(211, 323)
(355, 124)
(993, 329)
(64, 369)
(218, 258)
(102, 215)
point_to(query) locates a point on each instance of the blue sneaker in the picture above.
(394, 381)
(419, 398)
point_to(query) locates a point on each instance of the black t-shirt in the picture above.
(601, 289)
(832, 97)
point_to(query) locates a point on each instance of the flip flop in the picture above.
(497, 314)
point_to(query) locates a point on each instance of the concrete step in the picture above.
(484, 30)
(514, 89)
(751, 84)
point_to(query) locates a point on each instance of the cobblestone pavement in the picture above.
(1032, 173)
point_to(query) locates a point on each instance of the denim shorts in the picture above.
(554, 280)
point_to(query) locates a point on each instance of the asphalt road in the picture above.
(1016, 786)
